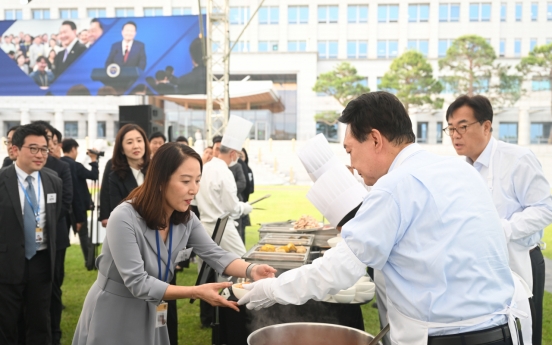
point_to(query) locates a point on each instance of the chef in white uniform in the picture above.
(429, 225)
(519, 190)
(218, 192)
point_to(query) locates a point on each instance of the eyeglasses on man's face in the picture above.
(460, 129)
(7, 143)
(35, 149)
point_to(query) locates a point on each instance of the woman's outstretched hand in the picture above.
(210, 294)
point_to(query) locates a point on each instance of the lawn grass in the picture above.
(547, 238)
(287, 202)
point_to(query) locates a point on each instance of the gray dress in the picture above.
(120, 307)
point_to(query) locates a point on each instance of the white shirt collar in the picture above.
(125, 45)
(406, 152)
(71, 45)
(21, 175)
(485, 156)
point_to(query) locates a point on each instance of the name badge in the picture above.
(161, 317)
(184, 255)
(39, 235)
(51, 198)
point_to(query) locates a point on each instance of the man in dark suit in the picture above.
(128, 52)
(11, 157)
(194, 82)
(30, 208)
(82, 194)
(73, 48)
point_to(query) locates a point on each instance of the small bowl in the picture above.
(340, 298)
(334, 241)
(364, 296)
(238, 292)
(364, 287)
(365, 279)
(349, 291)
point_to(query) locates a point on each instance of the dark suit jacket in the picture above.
(105, 209)
(194, 82)
(12, 236)
(84, 174)
(136, 57)
(77, 207)
(64, 172)
(7, 162)
(120, 188)
(165, 89)
(74, 54)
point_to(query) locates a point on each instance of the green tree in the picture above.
(508, 90)
(410, 77)
(343, 83)
(538, 63)
(468, 64)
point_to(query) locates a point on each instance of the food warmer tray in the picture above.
(283, 239)
(276, 259)
(321, 236)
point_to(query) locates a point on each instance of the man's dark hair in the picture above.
(40, 58)
(68, 144)
(57, 134)
(181, 139)
(481, 106)
(382, 111)
(169, 69)
(217, 139)
(130, 23)
(196, 51)
(96, 20)
(71, 24)
(23, 132)
(14, 128)
(158, 135)
(160, 75)
(45, 124)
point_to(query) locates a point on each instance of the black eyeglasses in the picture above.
(34, 150)
(460, 129)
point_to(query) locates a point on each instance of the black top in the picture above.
(64, 172)
(7, 162)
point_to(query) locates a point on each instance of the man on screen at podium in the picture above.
(128, 52)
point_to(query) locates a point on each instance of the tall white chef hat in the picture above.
(317, 156)
(336, 193)
(236, 132)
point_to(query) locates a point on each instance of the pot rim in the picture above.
(331, 325)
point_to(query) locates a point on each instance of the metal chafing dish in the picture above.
(283, 239)
(276, 259)
(321, 236)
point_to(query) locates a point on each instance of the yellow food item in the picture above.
(282, 249)
(291, 248)
(306, 222)
(240, 285)
(267, 248)
(301, 249)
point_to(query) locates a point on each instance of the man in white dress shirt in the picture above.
(519, 190)
(429, 225)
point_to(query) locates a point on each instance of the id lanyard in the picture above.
(37, 212)
(159, 254)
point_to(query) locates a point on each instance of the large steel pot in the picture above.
(306, 333)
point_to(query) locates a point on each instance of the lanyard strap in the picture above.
(159, 255)
(37, 212)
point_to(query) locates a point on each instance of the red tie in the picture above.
(127, 51)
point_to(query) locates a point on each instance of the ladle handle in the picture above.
(380, 335)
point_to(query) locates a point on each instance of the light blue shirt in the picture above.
(431, 227)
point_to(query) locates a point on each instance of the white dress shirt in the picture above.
(22, 177)
(126, 45)
(138, 175)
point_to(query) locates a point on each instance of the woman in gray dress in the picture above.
(145, 235)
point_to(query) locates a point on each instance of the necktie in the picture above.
(29, 220)
(65, 56)
(127, 51)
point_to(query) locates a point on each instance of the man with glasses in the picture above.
(29, 195)
(8, 142)
(519, 189)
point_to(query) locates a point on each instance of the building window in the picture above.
(448, 87)
(418, 13)
(101, 129)
(540, 132)
(269, 15)
(517, 47)
(540, 84)
(241, 47)
(549, 40)
(419, 45)
(124, 12)
(443, 47)
(502, 48)
(153, 11)
(388, 49)
(449, 12)
(41, 14)
(181, 11)
(481, 85)
(268, 46)
(71, 129)
(239, 15)
(328, 14)
(388, 13)
(534, 11)
(68, 13)
(532, 44)
(297, 46)
(357, 14)
(439, 132)
(96, 13)
(13, 14)
(327, 49)
(508, 132)
(329, 131)
(357, 49)
(503, 7)
(480, 12)
(298, 14)
(519, 11)
(549, 11)
(421, 133)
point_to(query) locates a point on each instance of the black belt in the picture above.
(473, 338)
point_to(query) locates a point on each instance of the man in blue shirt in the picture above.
(428, 224)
